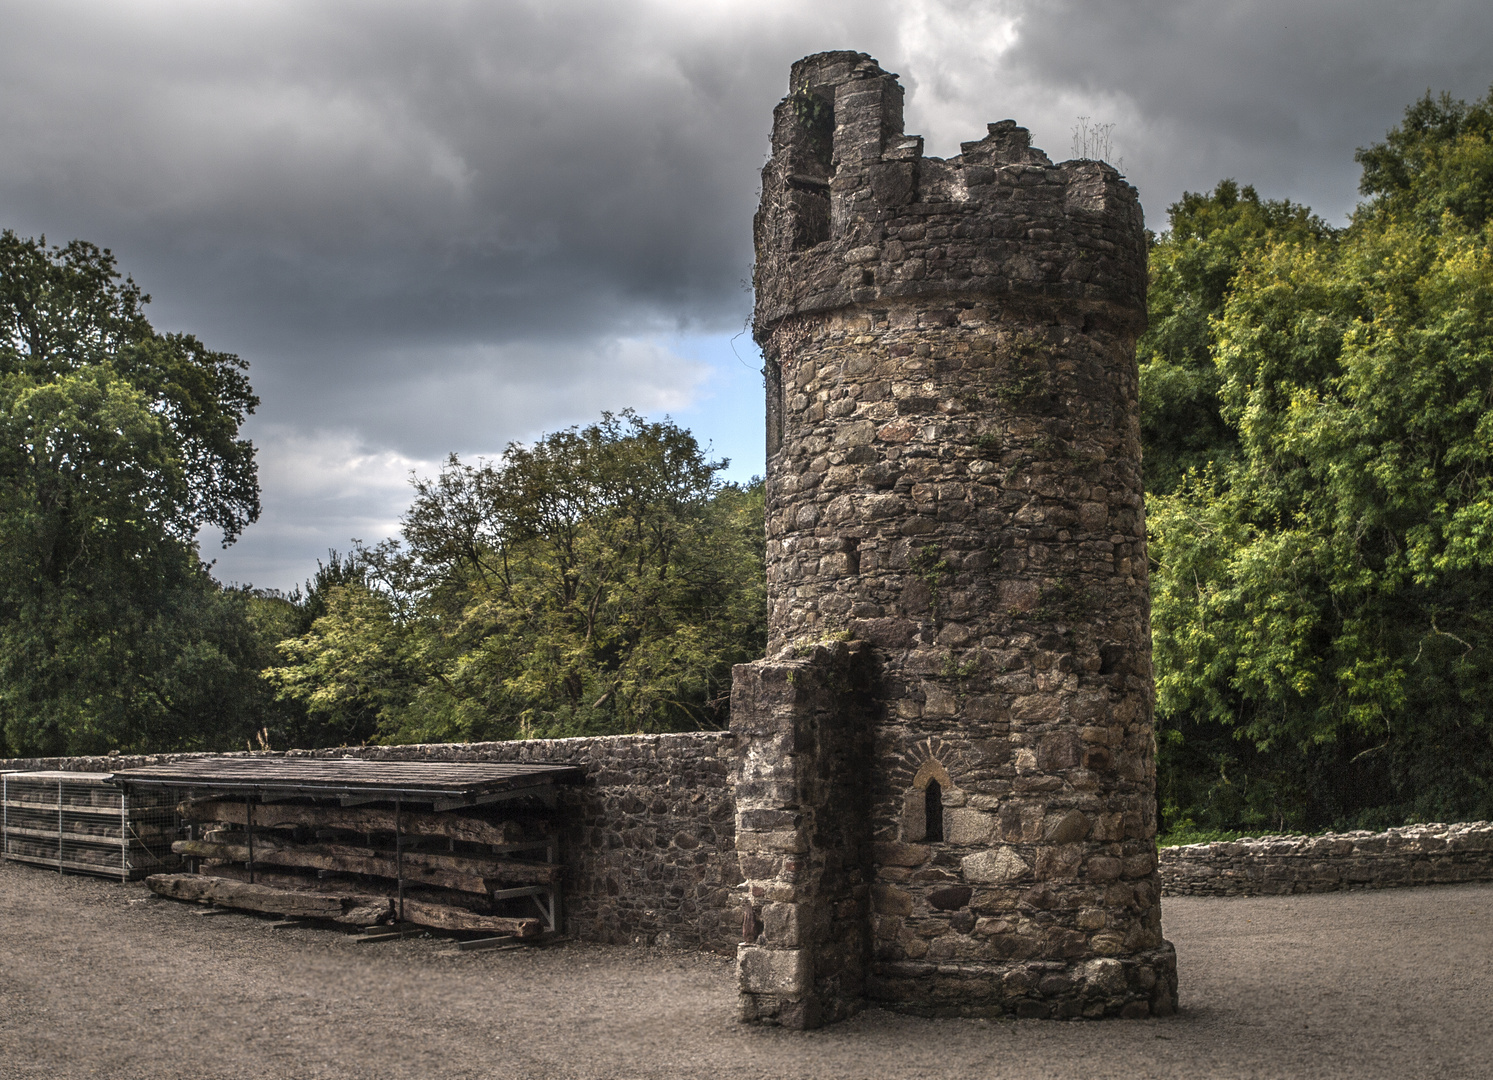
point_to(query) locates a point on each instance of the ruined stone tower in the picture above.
(946, 789)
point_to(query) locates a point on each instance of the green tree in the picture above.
(1323, 644)
(601, 580)
(117, 445)
(1439, 161)
(1192, 267)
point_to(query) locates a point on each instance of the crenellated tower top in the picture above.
(852, 211)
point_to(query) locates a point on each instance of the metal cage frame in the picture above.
(82, 823)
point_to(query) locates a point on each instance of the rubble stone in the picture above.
(1276, 865)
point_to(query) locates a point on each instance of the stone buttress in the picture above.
(946, 777)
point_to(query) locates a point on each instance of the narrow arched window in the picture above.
(933, 812)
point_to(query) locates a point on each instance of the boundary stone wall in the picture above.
(652, 835)
(1277, 865)
(649, 838)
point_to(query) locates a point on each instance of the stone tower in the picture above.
(946, 790)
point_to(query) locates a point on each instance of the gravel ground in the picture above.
(103, 980)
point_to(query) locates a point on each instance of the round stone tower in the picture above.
(954, 480)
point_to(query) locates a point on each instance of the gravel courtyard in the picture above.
(103, 980)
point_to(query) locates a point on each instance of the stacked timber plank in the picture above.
(339, 840)
(450, 863)
(82, 823)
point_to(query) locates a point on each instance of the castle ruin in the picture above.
(945, 789)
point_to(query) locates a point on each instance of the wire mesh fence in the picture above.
(81, 823)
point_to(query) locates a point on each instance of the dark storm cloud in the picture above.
(344, 183)
(1277, 92)
(445, 225)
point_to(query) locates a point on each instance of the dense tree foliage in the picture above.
(1192, 269)
(601, 580)
(117, 444)
(1323, 574)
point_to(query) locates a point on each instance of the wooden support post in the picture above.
(399, 859)
(249, 818)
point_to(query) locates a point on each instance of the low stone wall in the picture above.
(649, 837)
(1275, 865)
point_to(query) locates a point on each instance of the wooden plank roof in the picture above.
(57, 774)
(352, 776)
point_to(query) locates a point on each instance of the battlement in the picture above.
(852, 211)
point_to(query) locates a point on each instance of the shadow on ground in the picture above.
(100, 979)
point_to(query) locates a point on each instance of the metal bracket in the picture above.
(522, 890)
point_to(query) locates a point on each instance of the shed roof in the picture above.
(55, 774)
(455, 781)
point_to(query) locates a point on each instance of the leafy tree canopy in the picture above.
(601, 580)
(117, 444)
(1193, 266)
(1321, 592)
(74, 342)
(1438, 161)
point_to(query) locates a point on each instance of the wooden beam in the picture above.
(287, 878)
(446, 917)
(545, 793)
(290, 878)
(468, 873)
(349, 908)
(367, 819)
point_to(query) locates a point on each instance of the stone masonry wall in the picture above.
(1276, 865)
(954, 479)
(802, 822)
(648, 838)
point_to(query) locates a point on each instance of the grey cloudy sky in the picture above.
(440, 226)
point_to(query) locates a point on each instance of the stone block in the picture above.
(950, 898)
(898, 854)
(890, 900)
(786, 842)
(779, 972)
(968, 827)
(780, 925)
(995, 867)
(1102, 868)
(1066, 828)
(1058, 861)
(1105, 976)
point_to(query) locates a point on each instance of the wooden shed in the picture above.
(449, 845)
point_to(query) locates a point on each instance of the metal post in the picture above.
(399, 859)
(552, 856)
(193, 833)
(249, 826)
(124, 836)
(59, 826)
